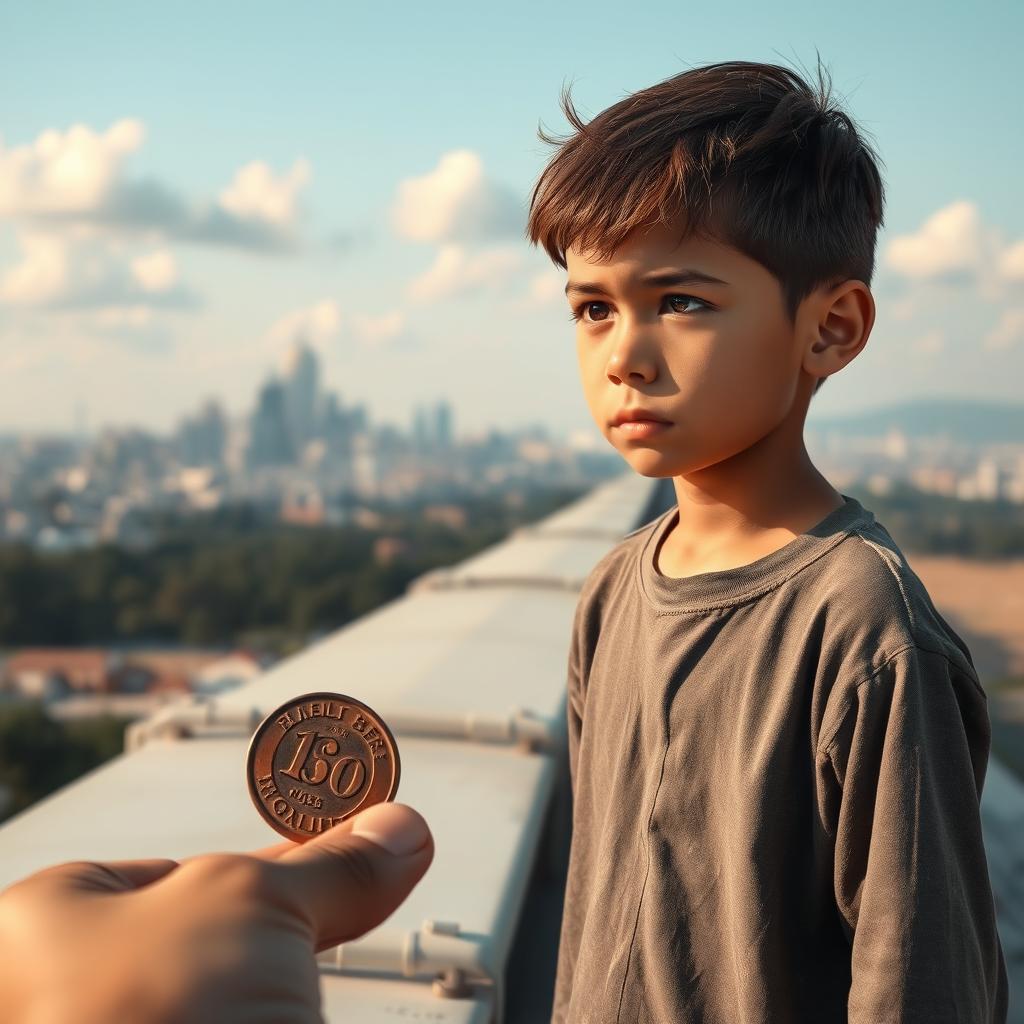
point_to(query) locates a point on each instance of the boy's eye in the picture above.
(578, 313)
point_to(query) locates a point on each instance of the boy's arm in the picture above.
(568, 946)
(902, 774)
(574, 701)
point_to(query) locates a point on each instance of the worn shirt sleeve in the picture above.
(574, 701)
(568, 947)
(900, 780)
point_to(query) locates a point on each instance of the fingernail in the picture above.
(393, 826)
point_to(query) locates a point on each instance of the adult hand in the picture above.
(217, 938)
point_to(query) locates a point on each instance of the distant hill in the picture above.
(962, 419)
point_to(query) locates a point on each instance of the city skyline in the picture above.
(164, 239)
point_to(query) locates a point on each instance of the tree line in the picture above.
(231, 577)
(39, 754)
(936, 524)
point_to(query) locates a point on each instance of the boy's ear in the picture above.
(841, 320)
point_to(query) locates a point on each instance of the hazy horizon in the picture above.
(183, 192)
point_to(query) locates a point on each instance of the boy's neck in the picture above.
(746, 507)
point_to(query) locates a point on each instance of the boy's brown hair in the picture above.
(749, 153)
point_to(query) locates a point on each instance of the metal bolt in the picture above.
(451, 984)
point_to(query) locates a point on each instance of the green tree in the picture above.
(39, 754)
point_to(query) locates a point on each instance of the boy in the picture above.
(777, 744)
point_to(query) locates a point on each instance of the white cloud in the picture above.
(74, 178)
(545, 289)
(65, 172)
(132, 326)
(156, 271)
(1011, 262)
(85, 351)
(320, 323)
(377, 331)
(68, 271)
(929, 343)
(42, 274)
(954, 245)
(905, 308)
(1007, 332)
(124, 316)
(457, 270)
(316, 324)
(256, 194)
(951, 244)
(455, 202)
(21, 359)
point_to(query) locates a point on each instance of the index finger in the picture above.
(102, 876)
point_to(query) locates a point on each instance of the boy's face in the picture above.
(720, 362)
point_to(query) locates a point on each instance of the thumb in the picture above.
(352, 877)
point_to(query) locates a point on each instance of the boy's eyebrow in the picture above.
(672, 277)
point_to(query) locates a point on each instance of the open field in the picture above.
(984, 603)
(987, 601)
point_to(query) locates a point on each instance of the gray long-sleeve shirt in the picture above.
(776, 773)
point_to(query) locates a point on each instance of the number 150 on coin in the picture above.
(317, 760)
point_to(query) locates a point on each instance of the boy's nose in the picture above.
(631, 358)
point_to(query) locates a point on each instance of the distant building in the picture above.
(359, 418)
(303, 506)
(432, 429)
(453, 516)
(199, 486)
(933, 479)
(270, 439)
(130, 454)
(988, 479)
(125, 523)
(55, 538)
(367, 518)
(188, 669)
(202, 438)
(300, 379)
(895, 445)
(443, 426)
(422, 431)
(338, 428)
(879, 483)
(227, 672)
(365, 465)
(47, 673)
(52, 673)
(387, 549)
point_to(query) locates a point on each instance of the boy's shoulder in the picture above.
(863, 592)
(877, 603)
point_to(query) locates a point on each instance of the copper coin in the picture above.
(317, 760)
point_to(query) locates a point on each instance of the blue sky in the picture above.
(251, 166)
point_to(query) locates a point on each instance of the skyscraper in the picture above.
(422, 435)
(270, 438)
(202, 438)
(443, 426)
(300, 376)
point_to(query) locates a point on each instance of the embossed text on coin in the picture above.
(318, 759)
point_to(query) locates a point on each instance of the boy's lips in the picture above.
(634, 414)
